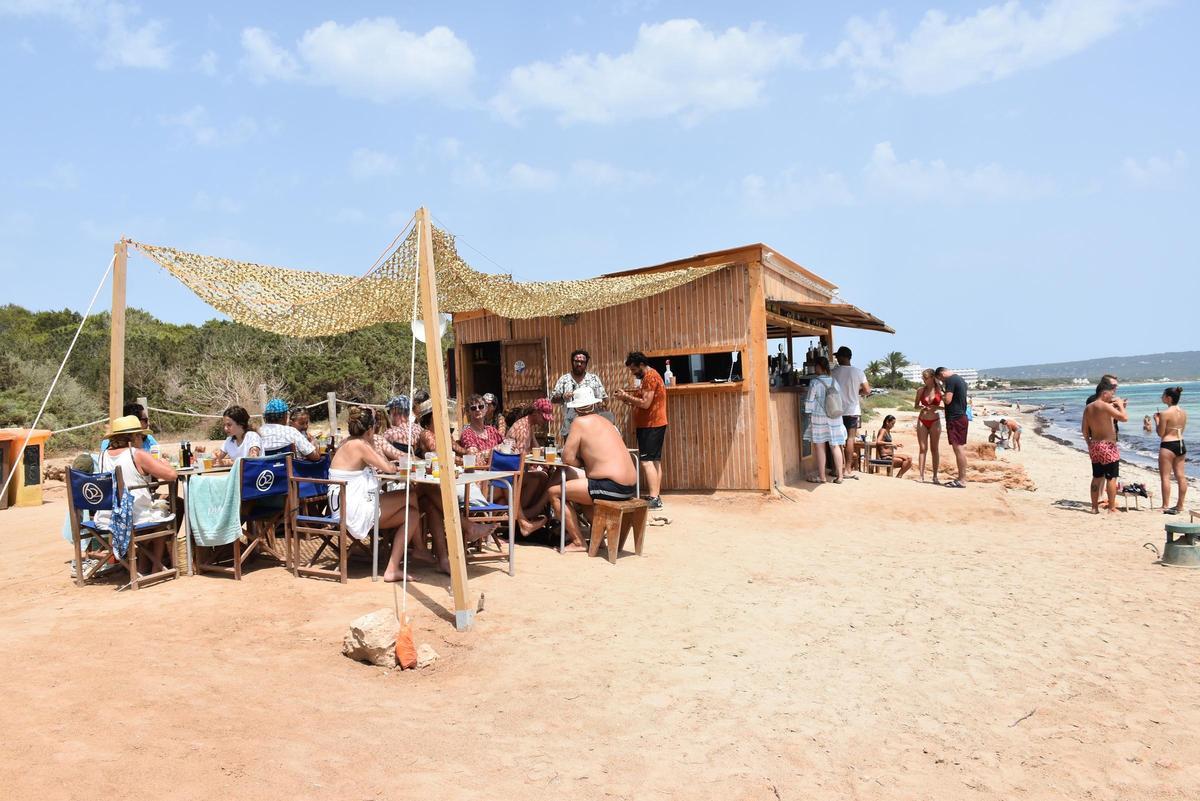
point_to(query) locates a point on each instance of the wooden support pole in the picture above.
(464, 611)
(331, 409)
(757, 374)
(116, 343)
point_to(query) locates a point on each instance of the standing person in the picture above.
(595, 445)
(852, 385)
(564, 388)
(1107, 377)
(649, 402)
(1100, 419)
(276, 435)
(1171, 450)
(1014, 432)
(823, 430)
(954, 402)
(929, 420)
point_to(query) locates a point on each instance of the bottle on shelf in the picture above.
(668, 376)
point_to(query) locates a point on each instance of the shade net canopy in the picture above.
(305, 303)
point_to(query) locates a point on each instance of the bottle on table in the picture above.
(185, 454)
(435, 468)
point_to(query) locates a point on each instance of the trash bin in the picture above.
(25, 489)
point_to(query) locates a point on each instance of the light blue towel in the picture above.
(214, 507)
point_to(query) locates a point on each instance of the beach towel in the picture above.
(121, 524)
(214, 508)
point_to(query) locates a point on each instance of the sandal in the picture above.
(955, 483)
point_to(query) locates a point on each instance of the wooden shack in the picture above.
(735, 422)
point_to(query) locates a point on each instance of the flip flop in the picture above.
(955, 483)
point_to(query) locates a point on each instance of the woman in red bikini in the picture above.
(929, 422)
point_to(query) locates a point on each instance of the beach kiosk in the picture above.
(26, 486)
(735, 410)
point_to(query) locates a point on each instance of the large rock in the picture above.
(372, 638)
(426, 656)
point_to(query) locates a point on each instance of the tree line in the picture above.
(200, 368)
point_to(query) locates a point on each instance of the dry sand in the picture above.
(882, 639)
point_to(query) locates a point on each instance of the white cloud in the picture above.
(523, 176)
(609, 176)
(676, 68)
(1154, 171)
(208, 63)
(935, 181)
(372, 58)
(114, 29)
(944, 54)
(62, 177)
(196, 125)
(366, 163)
(793, 191)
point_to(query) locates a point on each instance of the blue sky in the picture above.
(1004, 184)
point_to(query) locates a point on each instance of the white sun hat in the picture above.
(584, 396)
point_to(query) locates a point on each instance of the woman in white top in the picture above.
(137, 467)
(823, 430)
(242, 440)
(355, 462)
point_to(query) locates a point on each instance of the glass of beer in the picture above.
(551, 454)
(206, 463)
(468, 463)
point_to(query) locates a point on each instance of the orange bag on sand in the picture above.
(406, 650)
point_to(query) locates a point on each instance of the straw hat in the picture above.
(425, 408)
(129, 424)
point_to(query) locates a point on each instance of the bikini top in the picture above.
(931, 401)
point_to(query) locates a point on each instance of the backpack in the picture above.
(833, 400)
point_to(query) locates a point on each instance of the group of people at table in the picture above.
(593, 452)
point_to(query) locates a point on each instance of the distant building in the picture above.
(969, 374)
(912, 373)
(1080, 382)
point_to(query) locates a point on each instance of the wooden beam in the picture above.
(795, 325)
(464, 611)
(116, 342)
(758, 376)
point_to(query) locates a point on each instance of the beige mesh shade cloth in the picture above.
(304, 303)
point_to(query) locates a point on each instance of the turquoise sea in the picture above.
(1061, 414)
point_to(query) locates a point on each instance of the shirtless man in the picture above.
(595, 445)
(1100, 432)
(1014, 432)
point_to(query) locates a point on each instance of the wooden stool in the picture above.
(611, 524)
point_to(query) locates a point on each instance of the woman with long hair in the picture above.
(241, 438)
(523, 424)
(929, 420)
(356, 462)
(823, 430)
(1172, 453)
(886, 448)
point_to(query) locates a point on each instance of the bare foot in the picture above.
(393, 576)
(530, 526)
(474, 532)
(574, 547)
(421, 556)
(444, 566)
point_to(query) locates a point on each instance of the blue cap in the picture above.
(399, 402)
(276, 406)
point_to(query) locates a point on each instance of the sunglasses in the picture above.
(477, 407)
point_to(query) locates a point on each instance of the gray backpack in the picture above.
(833, 400)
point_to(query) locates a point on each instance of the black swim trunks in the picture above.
(1107, 470)
(650, 443)
(605, 489)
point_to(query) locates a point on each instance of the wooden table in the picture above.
(185, 476)
(461, 480)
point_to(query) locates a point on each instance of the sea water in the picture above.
(1061, 415)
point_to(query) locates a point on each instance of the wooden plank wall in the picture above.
(780, 286)
(785, 437)
(709, 442)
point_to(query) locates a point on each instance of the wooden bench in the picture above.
(611, 523)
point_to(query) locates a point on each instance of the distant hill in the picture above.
(1182, 366)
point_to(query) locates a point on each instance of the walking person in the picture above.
(1172, 452)
(649, 402)
(954, 403)
(929, 421)
(1100, 419)
(824, 430)
(852, 385)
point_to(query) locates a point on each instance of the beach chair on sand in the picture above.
(879, 459)
(309, 517)
(263, 482)
(497, 513)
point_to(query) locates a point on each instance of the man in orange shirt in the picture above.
(649, 402)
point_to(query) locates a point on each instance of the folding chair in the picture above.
(307, 483)
(152, 530)
(263, 481)
(498, 513)
(89, 492)
(280, 451)
(877, 461)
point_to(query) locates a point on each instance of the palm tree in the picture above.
(895, 362)
(874, 371)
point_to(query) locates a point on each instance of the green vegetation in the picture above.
(885, 372)
(889, 401)
(200, 368)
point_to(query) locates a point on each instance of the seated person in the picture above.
(241, 439)
(355, 462)
(884, 447)
(478, 437)
(299, 419)
(277, 435)
(595, 445)
(148, 440)
(402, 439)
(524, 423)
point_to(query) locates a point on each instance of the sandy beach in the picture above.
(882, 639)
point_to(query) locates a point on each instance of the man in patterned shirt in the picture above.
(564, 388)
(276, 434)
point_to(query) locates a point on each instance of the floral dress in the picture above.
(480, 443)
